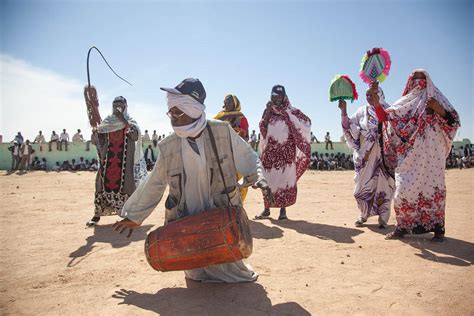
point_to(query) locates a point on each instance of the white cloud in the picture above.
(150, 117)
(33, 99)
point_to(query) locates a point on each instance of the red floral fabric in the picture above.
(285, 153)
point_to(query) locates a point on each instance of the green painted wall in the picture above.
(76, 150)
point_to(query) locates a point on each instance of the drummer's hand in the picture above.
(343, 106)
(125, 223)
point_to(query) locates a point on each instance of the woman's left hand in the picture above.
(434, 105)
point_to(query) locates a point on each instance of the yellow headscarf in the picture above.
(223, 115)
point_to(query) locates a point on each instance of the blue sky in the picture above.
(232, 47)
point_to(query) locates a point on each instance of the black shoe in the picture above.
(438, 238)
(93, 221)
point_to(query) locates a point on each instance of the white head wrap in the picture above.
(191, 108)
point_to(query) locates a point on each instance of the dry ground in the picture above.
(315, 263)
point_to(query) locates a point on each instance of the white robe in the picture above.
(198, 198)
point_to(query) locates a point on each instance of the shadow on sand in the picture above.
(209, 299)
(454, 251)
(321, 231)
(382, 231)
(262, 231)
(104, 234)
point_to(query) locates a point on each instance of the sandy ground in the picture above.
(315, 263)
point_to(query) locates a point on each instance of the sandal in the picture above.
(265, 214)
(396, 234)
(360, 222)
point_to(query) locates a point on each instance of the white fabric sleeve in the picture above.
(148, 194)
(352, 133)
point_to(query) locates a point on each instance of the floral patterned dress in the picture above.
(285, 152)
(417, 144)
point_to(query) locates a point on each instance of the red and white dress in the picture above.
(416, 144)
(285, 152)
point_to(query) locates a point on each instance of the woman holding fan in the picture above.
(374, 184)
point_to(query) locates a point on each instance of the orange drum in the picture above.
(215, 236)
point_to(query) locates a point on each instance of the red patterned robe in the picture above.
(285, 152)
(115, 181)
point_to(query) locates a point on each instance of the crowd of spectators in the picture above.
(76, 165)
(338, 161)
(24, 158)
(460, 157)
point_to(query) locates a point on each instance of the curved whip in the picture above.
(88, 73)
(90, 93)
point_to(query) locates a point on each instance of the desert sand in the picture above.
(315, 263)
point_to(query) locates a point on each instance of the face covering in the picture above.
(193, 109)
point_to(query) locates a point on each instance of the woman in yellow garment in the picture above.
(231, 113)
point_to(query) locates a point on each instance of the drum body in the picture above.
(215, 236)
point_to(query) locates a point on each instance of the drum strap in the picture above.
(214, 148)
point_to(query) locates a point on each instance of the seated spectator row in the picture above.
(339, 161)
(76, 165)
(460, 158)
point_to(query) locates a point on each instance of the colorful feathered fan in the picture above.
(375, 65)
(342, 88)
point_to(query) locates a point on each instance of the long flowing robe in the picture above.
(374, 185)
(285, 152)
(197, 185)
(199, 198)
(416, 145)
(122, 165)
